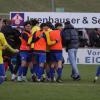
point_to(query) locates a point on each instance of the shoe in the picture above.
(19, 79)
(13, 77)
(96, 78)
(43, 78)
(1, 80)
(59, 80)
(53, 79)
(34, 78)
(38, 80)
(76, 78)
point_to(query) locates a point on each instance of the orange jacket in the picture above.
(55, 35)
(40, 44)
(24, 43)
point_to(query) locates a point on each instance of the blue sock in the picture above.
(40, 72)
(11, 68)
(20, 71)
(98, 71)
(52, 73)
(59, 71)
(25, 70)
(35, 68)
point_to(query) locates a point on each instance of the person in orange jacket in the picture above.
(40, 40)
(25, 52)
(56, 53)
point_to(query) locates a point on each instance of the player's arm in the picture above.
(6, 45)
(49, 42)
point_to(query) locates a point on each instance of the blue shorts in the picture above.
(2, 70)
(40, 57)
(56, 56)
(47, 57)
(26, 56)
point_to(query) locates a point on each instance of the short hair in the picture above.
(43, 25)
(58, 24)
(67, 22)
(26, 23)
(34, 22)
(50, 25)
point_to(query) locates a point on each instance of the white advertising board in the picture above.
(78, 19)
(85, 56)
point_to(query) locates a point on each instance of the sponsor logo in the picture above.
(17, 19)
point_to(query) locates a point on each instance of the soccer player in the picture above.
(97, 74)
(12, 37)
(25, 52)
(40, 40)
(4, 45)
(35, 28)
(47, 29)
(56, 54)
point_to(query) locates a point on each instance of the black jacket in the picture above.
(71, 37)
(12, 36)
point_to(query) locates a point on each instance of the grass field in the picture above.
(68, 90)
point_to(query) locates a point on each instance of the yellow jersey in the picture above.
(49, 42)
(34, 29)
(4, 44)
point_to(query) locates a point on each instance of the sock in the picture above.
(48, 73)
(34, 69)
(20, 71)
(40, 72)
(59, 71)
(11, 68)
(98, 71)
(51, 73)
(25, 70)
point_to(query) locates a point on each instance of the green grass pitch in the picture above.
(68, 90)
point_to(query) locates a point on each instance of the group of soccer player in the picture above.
(41, 51)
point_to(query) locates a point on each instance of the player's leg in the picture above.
(23, 68)
(18, 63)
(2, 73)
(52, 66)
(59, 66)
(97, 74)
(35, 66)
(42, 60)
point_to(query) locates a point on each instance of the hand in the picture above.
(4, 47)
(41, 35)
(57, 40)
(17, 51)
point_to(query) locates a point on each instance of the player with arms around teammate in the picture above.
(25, 52)
(56, 54)
(40, 40)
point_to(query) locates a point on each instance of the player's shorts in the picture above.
(26, 56)
(40, 57)
(55, 56)
(2, 70)
(47, 57)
